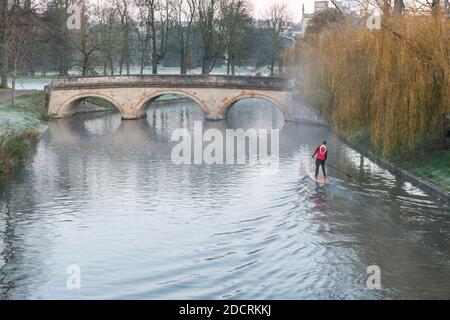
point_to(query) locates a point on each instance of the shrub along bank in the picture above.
(19, 126)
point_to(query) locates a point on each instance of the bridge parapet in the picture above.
(174, 81)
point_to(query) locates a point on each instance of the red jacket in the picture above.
(321, 153)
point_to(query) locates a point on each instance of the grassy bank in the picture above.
(19, 126)
(100, 102)
(430, 162)
(434, 168)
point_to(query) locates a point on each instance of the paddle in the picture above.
(338, 170)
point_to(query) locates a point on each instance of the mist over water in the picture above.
(103, 194)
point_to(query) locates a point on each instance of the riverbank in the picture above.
(20, 125)
(429, 169)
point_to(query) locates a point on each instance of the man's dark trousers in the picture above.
(320, 163)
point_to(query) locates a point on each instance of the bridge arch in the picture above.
(68, 103)
(140, 106)
(232, 101)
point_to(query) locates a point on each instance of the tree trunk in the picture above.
(154, 55)
(399, 6)
(4, 77)
(142, 62)
(85, 66)
(183, 69)
(60, 62)
(111, 65)
(232, 65)
(3, 46)
(127, 55)
(155, 65)
(185, 51)
(205, 65)
(13, 84)
(154, 44)
(182, 56)
(272, 68)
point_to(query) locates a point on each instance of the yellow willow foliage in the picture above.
(394, 81)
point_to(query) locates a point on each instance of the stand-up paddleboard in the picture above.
(320, 179)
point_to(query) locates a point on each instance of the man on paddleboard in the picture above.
(321, 156)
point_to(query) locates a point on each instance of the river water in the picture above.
(102, 196)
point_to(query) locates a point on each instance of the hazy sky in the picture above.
(294, 5)
(260, 6)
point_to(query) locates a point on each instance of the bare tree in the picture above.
(152, 8)
(57, 36)
(158, 17)
(85, 41)
(125, 32)
(4, 21)
(166, 17)
(143, 34)
(185, 11)
(32, 22)
(18, 37)
(108, 36)
(277, 16)
(210, 29)
(236, 21)
(17, 44)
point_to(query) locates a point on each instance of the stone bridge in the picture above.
(132, 94)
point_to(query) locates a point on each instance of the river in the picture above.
(103, 195)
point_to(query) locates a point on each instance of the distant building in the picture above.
(319, 6)
(264, 24)
(306, 17)
(289, 31)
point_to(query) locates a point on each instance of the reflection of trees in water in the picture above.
(19, 277)
(9, 254)
(167, 117)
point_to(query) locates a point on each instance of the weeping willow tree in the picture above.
(393, 82)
